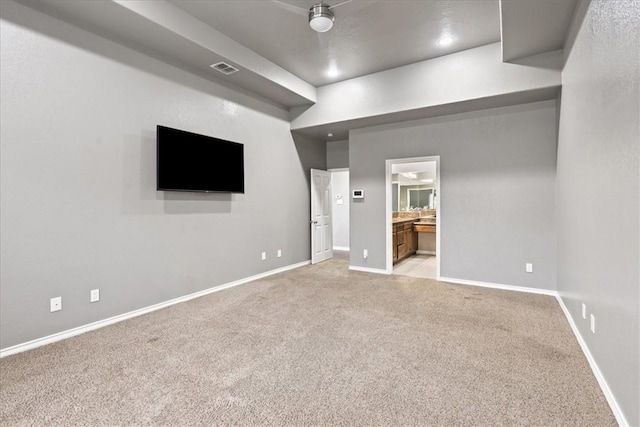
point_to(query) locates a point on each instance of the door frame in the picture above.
(389, 212)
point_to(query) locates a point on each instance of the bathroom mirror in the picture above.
(412, 197)
(420, 198)
(413, 186)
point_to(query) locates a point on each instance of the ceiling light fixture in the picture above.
(445, 41)
(330, 135)
(410, 175)
(320, 17)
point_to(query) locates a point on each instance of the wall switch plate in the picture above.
(95, 295)
(593, 324)
(279, 253)
(529, 267)
(56, 304)
(264, 256)
(584, 311)
(365, 253)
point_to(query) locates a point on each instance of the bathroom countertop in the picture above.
(400, 220)
(429, 219)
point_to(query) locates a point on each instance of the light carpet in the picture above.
(318, 345)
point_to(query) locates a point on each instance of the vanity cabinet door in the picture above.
(402, 249)
(400, 237)
(408, 237)
(395, 244)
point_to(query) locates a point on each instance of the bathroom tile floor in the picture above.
(424, 266)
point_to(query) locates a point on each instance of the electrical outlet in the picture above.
(264, 256)
(279, 253)
(584, 311)
(365, 254)
(95, 295)
(529, 267)
(593, 324)
(56, 304)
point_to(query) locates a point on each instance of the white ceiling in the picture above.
(534, 27)
(283, 61)
(367, 36)
(422, 170)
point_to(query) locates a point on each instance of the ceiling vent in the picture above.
(224, 68)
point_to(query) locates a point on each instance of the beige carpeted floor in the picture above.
(318, 345)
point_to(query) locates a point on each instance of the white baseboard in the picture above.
(38, 342)
(420, 252)
(498, 286)
(341, 248)
(608, 394)
(369, 270)
(613, 404)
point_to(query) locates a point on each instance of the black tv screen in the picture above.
(188, 161)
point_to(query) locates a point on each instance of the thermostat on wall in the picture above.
(358, 194)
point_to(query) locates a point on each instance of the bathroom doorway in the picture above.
(413, 203)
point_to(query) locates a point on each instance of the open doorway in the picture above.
(413, 202)
(340, 192)
(329, 214)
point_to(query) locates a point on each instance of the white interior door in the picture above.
(321, 228)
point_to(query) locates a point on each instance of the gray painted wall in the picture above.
(598, 193)
(497, 177)
(340, 212)
(338, 154)
(79, 209)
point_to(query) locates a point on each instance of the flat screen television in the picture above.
(188, 161)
